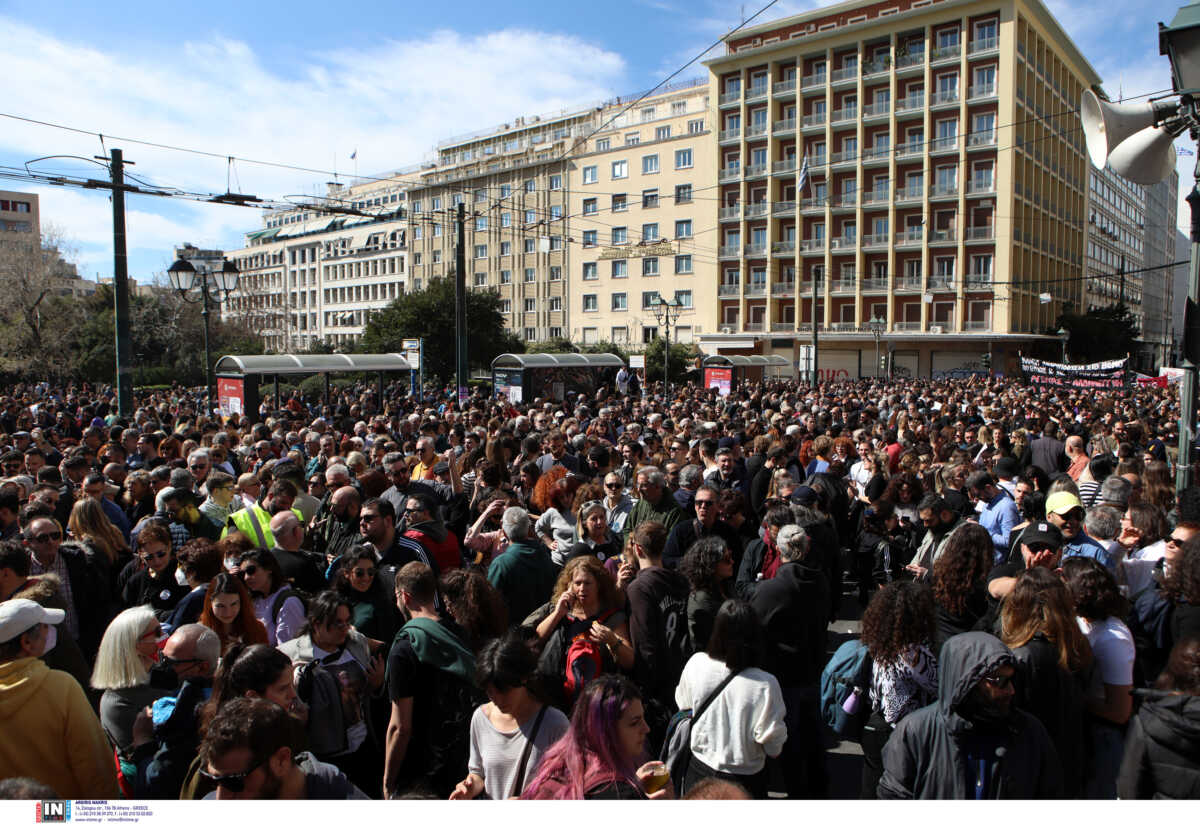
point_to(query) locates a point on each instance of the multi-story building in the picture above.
(640, 211)
(1158, 294)
(920, 161)
(1116, 242)
(19, 213)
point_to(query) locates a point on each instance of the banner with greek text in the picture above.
(1113, 374)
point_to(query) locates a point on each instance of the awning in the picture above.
(238, 365)
(262, 234)
(746, 360)
(545, 361)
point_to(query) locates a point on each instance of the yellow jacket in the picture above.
(50, 732)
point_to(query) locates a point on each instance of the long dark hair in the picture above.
(737, 636)
(245, 668)
(476, 605)
(509, 661)
(965, 562)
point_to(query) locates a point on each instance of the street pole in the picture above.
(460, 305)
(814, 331)
(667, 351)
(1187, 386)
(121, 289)
(208, 387)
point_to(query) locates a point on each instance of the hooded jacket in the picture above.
(793, 607)
(1162, 748)
(438, 542)
(937, 751)
(51, 734)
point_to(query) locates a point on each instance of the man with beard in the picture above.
(339, 532)
(250, 751)
(940, 520)
(426, 528)
(971, 743)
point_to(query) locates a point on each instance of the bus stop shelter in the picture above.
(239, 377)
(521, 378)
(724, 371)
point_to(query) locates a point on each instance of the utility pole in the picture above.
(121, 288)
(1121, 286)
(814, 330)
(460, 305)
(1187, 386)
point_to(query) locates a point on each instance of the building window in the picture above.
(619, 235)
(683, 193)
(589, 206)
(650, 199)
(619, 302)
(556, 331)
(437, 230)
(649, 333)
(530, 245)
(678, 107)
(589, 174)
(530, 187)
(649, 267)
(695, 126)
(649, 299)
(589, 334)
(684, 298)
(555, 182)
(481, 278)
(556, 212)
(530, 216)
(505, 190)
(480, 195)
(620, 334)
(556, 243)
(683, 159)
(620, 169)
(530, 334)
(591, 303)
(649, 232)
(632, 139)
(683, 228)
(683, 264)
(650, 164)
(506, 307)
(530, 275)
(436, 204)
(555, 273)
(619, 203)
(480, 250)
(620, 268)
(506, 219)
(602, 144)
(555, 304)
(662, 133)
(506, 276)
(505, 247)
(416, 258)
(647, 114)
(589, 271)
(530, 304)
(589, 237)
(437, 255)
(481, 223)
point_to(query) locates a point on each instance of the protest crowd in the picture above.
(624, 594)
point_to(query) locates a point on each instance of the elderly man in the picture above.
(707, 523)
(297, 566)
(339, 530)
(1066, 512)
(523, 574)
(654, 504)
(1077, 456)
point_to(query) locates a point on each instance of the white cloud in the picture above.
(390, 101)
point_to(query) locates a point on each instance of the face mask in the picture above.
(51, 638)
(180, 577)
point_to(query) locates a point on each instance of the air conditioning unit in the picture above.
(726, 330)
(937, 330)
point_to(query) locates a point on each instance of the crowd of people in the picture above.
(619, 595)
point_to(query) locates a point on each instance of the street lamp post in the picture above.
(183, 276)
(877, 324)
(666, 312)
(1064, 335)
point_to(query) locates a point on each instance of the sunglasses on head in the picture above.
(234, 782)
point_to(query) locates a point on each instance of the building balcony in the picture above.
(817, 163)
(908, 285)
(978, 282)
(806, 287)
(783, 126)
(783, 247)
(812, 245)
(881, 109)
(754, 326)
(757, 289)
(978, 326)
(729, 212)
(843, 157)
(945, 54)
(784, 88)
(940, 145)
(756, 91)
(730, 98)
(756, 130)
(907, 326)
(910, 61)
(912, 237)
(843, 326)
(812, 204)
(984, 45)
(729, 135)
(812, 121)
(982, 91)
(876, 154)
(846, 115)
(755, 249)
(842, 286)
(942, 282)
(874, 284)
(781, 167)
(976, 234)
(813, 81)
(729, 173)
(944, 98)
(785, 288)
(876, 197)
(758, 209)
(843, 244)
(756, 170)
(912, 103)
(877, 67)
(729, 252)
(846, 200)
(910, 194)
(844, 75)
(784, 207)
(783, 326)
(940, 236)
(943, 190)
(875, 241)
(729, 290)
(981, 140)
(981, 187)
(905, 150)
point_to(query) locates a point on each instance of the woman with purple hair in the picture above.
(599, 755)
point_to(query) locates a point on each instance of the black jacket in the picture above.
(688, 531)
(929, 752)
(793, 607)
(90, 597)
(1055, 697)
(653, 665)
(973, 616)
(1162, 748)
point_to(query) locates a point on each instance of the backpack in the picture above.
(286, 592)
(844, 684)
(319, 688)
(585, 658)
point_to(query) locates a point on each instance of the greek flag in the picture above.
(804, 174)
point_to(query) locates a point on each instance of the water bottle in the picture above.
(850, 705)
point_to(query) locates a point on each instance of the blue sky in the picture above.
(308, 83)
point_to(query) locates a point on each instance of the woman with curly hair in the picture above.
(904, 491)
(475, 605)
(553, 495)
(960, 582)
(1053, 663)
(1181, 588)
(898, 629)
(708, 567)
(1100, 609)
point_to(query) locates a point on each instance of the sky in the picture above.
(309, 84)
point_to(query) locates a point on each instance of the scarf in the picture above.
(771, 558)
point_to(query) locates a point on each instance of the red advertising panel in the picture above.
(720, 377)
(231, 396)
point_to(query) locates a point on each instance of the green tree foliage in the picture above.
(654, 360)
(551, 346)
(429, 314)
(1104, 333)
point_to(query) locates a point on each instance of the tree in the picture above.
(603, 347)
(36, 318)
(654, 360)
(551, 346)
(1103, 333)
(429, 314)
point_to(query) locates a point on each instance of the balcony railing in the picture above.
(783, 247)
(846, 114)
(844, 157)
(941, 281)
(908, 284)
(783, 166)
(756, 209)
(754, 326)
(756, 129)
(870, 241)
(876, 196)
(845, 199)
(783, 326)
(911, 237)
(729, 251)
(877, 109)
(979, 233)
(810, 81)
(876, 153)
(945, 53)
(730, 97)
(786, 287)
(942, 236)
(756, 249)
(844, 326)
(842, 285)
(984, 44)
(729, 134)
(729, 289)
(875, 285)
(783, 207)
(756, 169)
(981, 139)
(909, 150)
(730, 173)
(983, 90)
(910, 194)
(877, 66)
(843, 243)
(788, 125)
(756, 91)
(784, 86)
(978, 326)
(980, 187)
(813, 245)
(729, 212)
(913, 102)
(944, 97)
(907, 326)
(840, 75)
(943, 189)
(944, 144)
(810, 120)
(979, 282)
(909, 60)
(755, 289)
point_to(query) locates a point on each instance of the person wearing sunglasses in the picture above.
(276, 604)
(972, 743)
(86, 606)
(251, 752)
(617, 502)
(155, 583)
(373, 610)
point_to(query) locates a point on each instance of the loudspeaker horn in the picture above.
(1106, 125)
(1146, 158)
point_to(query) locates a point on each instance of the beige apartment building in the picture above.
(946, 184)
(19, 213)
(642, 223)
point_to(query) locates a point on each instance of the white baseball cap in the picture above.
(20, 615)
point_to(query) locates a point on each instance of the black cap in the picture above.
(1041, 533)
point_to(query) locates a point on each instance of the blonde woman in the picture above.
(128, 650)
(105, 546)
